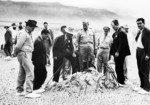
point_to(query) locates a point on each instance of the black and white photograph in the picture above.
(74, 52)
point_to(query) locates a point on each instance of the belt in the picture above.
(140, 48)
(86, 42)
(103, 48)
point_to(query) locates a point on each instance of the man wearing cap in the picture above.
(48, 42)
(14, 32)
(104, 43)
(8, 43)
(86, 45)
(63, 48)
(119, 50)
(23, 50)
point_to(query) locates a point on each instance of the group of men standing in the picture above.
(34, 56)
(10, 38)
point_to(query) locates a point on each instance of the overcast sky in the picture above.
(136, 8)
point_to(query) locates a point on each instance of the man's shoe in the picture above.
(127, 82)
(121, 85)
(8, 58)
(142, 91)
(32, 95)
(21, 93)
(136, 89)
(41, 90)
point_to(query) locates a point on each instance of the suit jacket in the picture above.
(39, 52)
(63, 48)
(120, 44)
(8, 37)
(145, 40)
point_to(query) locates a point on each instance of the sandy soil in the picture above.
(120, 96)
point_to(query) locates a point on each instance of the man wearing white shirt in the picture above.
(143, 56)
(103, 50)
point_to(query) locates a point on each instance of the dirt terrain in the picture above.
(120, 96)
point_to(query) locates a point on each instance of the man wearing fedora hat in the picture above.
(23, 50)
(63, 48)
(14, 32)
(104, 43)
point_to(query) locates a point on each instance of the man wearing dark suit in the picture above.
(143, 56)
(39, 60)
(62, 48)
(119, 49)
(8, 43)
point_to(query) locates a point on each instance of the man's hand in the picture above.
(117, 54)
(147, 58)
(13, 54)
(74, 55)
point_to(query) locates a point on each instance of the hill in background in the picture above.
(54, 13)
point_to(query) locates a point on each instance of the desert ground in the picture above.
(121, 96)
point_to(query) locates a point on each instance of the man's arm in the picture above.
(121, 37)
(21, 38)
(37, 48)
(148, 43)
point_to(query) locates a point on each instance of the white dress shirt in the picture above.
(139, 41)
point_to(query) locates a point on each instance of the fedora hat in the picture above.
(31, 23)
(69, 30)
(106, 28)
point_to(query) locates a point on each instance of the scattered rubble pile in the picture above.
(90, 78)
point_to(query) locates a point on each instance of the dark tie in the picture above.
(138, 35)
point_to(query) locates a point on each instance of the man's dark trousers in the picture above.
(143, 67)
(8, 49)
(57, 65)
(119, 61)
(40, 73)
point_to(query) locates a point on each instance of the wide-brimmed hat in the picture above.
(69, 30)
(31, 23)
(106, 28)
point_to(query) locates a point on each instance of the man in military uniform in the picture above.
(103, 50)
(63, 48)
(86, 45)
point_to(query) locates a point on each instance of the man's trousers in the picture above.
(102, 59)
(8, 49)
(58, 65)
(119, 63)
(26, 72)
(40, 74)
(143, 69)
